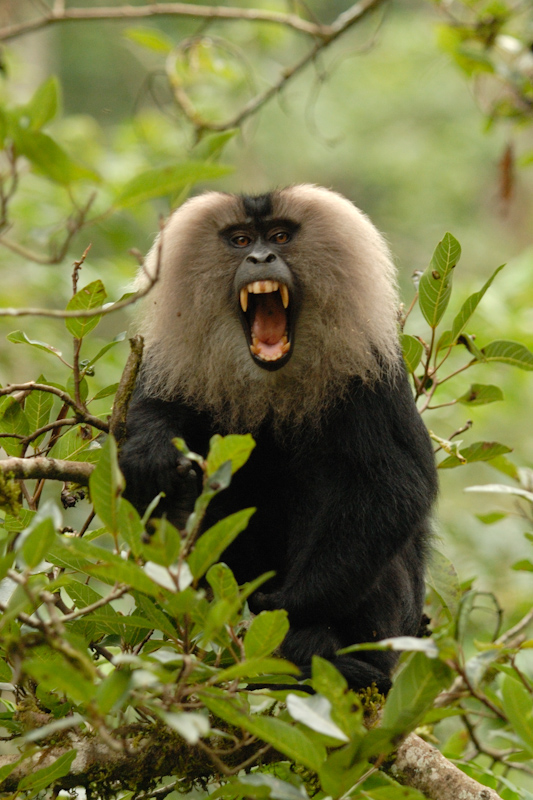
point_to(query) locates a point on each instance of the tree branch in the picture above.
(421, 766)
(54, 469)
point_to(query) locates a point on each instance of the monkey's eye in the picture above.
(280, 237)
(241, 240)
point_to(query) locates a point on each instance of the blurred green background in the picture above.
(383, 116)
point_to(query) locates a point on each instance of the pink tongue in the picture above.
(269, 323)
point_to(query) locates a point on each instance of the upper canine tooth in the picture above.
(284, 295)
(244, 299)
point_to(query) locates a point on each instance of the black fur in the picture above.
(258, 206)
(342, 517)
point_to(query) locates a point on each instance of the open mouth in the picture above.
(265, 306)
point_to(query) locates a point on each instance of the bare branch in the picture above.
(55, 469)
(127, 12)
(117, 423)
(421, 766)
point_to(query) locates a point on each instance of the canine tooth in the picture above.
(255, 341)
(284, 340)
(244, 299)
(254, 349)
(286, 347)
(284, 295)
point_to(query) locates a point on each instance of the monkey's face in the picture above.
(264, 288)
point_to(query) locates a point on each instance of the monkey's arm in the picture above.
(152, 464)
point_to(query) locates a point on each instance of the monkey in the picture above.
(277, 314)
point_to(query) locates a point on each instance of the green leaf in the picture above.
(37, 409)
(220, 579)
(106, 483)
(506, 352)
(14, 420)
(491, 518)
(49, 158)
(315, 712)
(189, 724)
(235, 448)
(211, 145)
(442, 578)
(158, 620)
(480, 394)
(266, 633)
(262, 785)
(255, 667)
(502, 488)
(166, 181)
(19, 337)
(113, 690)
(44, 104)
(6, 771)
(479, 451)
(109, 391)
(435, 285)
(518, 706)
(413, 692)
(412, 350)
(56, 674)
(150, 38)
(469, 306)
(76, 445)
(290, 741)
(118, 338)
(38, 542)
(216, 539)
(45, 777)
(90, 297)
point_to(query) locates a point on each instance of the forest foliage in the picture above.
(128, 661)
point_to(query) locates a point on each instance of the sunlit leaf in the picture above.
(413, 692)
(289, 740)
(166, 181)
(150, 38)
(19, 337)
(412, 350)
(216, 539)
(480, 394)
(43, 106)
(50, 159)
(42, 778)
(106, 483)
(436, 283)
(518, 705)
(315, 713)
(13, 420)
(479, 451)
(38, 542)
(87, 299)
(469, 306)
(506, 352)
(235, 448)
(266, 633)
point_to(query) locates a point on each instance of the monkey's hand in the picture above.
(160, 467)
(266, 601)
